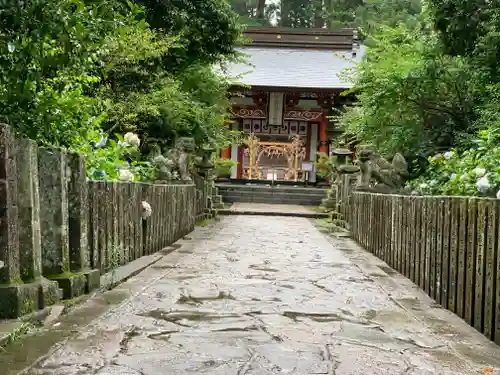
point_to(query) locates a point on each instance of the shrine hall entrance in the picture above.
(275, 153)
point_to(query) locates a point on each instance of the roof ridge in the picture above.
(305, 38)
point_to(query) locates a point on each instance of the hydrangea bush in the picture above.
(474, 172)
(114, 160)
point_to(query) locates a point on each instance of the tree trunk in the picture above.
(318, 14)
(261, 8)
(285, 14)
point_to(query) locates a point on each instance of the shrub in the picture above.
(475, 171)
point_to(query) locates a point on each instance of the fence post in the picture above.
(78, 197)
(22, 290)
(54, 222)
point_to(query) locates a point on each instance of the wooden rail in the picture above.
(449, 246)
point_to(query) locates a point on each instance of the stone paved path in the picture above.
(272, 295)
(271, 208)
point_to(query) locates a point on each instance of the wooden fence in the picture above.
(117, 232)
(449, 246)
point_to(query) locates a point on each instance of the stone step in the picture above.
(273, 191)
(281, 189)
(273, 194)
(303, 201)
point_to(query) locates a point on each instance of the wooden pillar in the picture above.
(323, 134)
(226, 153)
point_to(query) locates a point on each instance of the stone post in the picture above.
(200, 196)
(29, 211)
(54, 176)
(9, 227)
(22, 290)
(52, 166)
(78, 195)
(30, 245)
(205, 170)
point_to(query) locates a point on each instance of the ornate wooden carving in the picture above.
(259, 99)
(303, 115)
(324, 101)
(249, 113)
(292, 99)
(260, 127)
(294, 151)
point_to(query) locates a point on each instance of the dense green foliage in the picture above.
(75, 73)
(365, 15)
(429, 88)
(255, 12)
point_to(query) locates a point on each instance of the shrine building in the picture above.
(287, 94)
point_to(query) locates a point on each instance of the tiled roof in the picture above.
(294, 68)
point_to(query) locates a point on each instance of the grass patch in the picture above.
(325, 223)
(204, 223)
(17, 334)
(317, 209)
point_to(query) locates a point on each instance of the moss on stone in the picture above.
(16, 281)
(72, 284)
(63, 275)
(18, 300)
(28, 306)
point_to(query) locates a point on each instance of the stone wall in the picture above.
(449, 246)
(60, 232)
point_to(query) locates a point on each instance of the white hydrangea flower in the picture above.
(448, 155)
(147, 211)
(483, 184)
(437, 157)
(479, 171)
(423, 186)
(125, 175)
(453, 176)
(132, 139)
(123, 144)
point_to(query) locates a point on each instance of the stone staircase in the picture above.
(292, 195)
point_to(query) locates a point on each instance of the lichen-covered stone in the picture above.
(78, 197)
(49, 293)
(180, 158)
(9, 226)
(93, 280)
(377, 172)
(29, 210)
(53, 177)
(18, 300)
(73, 285)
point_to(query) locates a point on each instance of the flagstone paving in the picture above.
(262, 295)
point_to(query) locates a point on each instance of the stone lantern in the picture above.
(342, 166)
(205, 165)
(341, 154)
